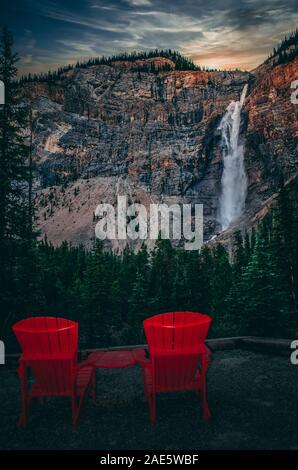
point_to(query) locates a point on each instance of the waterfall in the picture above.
(233, 181)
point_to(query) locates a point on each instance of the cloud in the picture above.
(87, 48)
(228, 34)
(140, 3)
(88, 22)
(27, 59)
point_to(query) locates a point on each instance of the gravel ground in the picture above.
(253, 399)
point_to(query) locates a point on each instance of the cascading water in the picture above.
(233, 181)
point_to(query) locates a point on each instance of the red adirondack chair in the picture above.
(178, 356)
(50, 350)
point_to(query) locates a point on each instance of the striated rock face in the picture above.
(106, 130)
(272, 132)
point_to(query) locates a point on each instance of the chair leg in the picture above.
(94, 388)
(205, 407)
(25, 399)
(152, 407)
(22, 420)
(25, 411)
(74, 410)
(78, 410)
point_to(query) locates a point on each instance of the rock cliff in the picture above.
(115, 129)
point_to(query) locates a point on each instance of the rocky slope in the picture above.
(113, 129)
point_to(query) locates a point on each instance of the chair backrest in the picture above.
(175, 341)
(50, 348)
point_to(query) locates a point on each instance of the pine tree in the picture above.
(240, 258)
(247, 248)
(162, 276)
(95, 295)
(221, 284)
(13, 149)
(263, 295)
(283, 242)
(181, 288)
(13, 188)
(206, 269)
(138, 302)
(195, 278)
(114, 324)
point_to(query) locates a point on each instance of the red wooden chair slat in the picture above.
(179, 333)
(178, 355)
(50, 349)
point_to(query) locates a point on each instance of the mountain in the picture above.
(145, 128)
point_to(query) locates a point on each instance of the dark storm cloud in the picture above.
(231, 33)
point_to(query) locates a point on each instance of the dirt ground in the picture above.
(253, 399)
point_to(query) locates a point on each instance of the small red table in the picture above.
(117, 359)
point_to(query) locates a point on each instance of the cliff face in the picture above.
(111, 129)
(272, 131)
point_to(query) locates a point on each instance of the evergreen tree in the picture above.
(264, 296)
(138, 302)
(13, 149)
(14, 227)
(247, 248)
(283, 242)
(181, 288)
(95, 296)
(221, 284)
(195, 282)
(162, 276)
(116, 294)
(206, 269)
(240, 258)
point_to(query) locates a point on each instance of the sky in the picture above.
(224, 34)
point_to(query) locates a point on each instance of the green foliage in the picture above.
(263, 295)
(13, 149)
(251, 292)
(18, 287)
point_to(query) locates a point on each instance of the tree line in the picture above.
(254, 293)
(180, 63)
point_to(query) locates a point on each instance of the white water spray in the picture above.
(233, 181)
